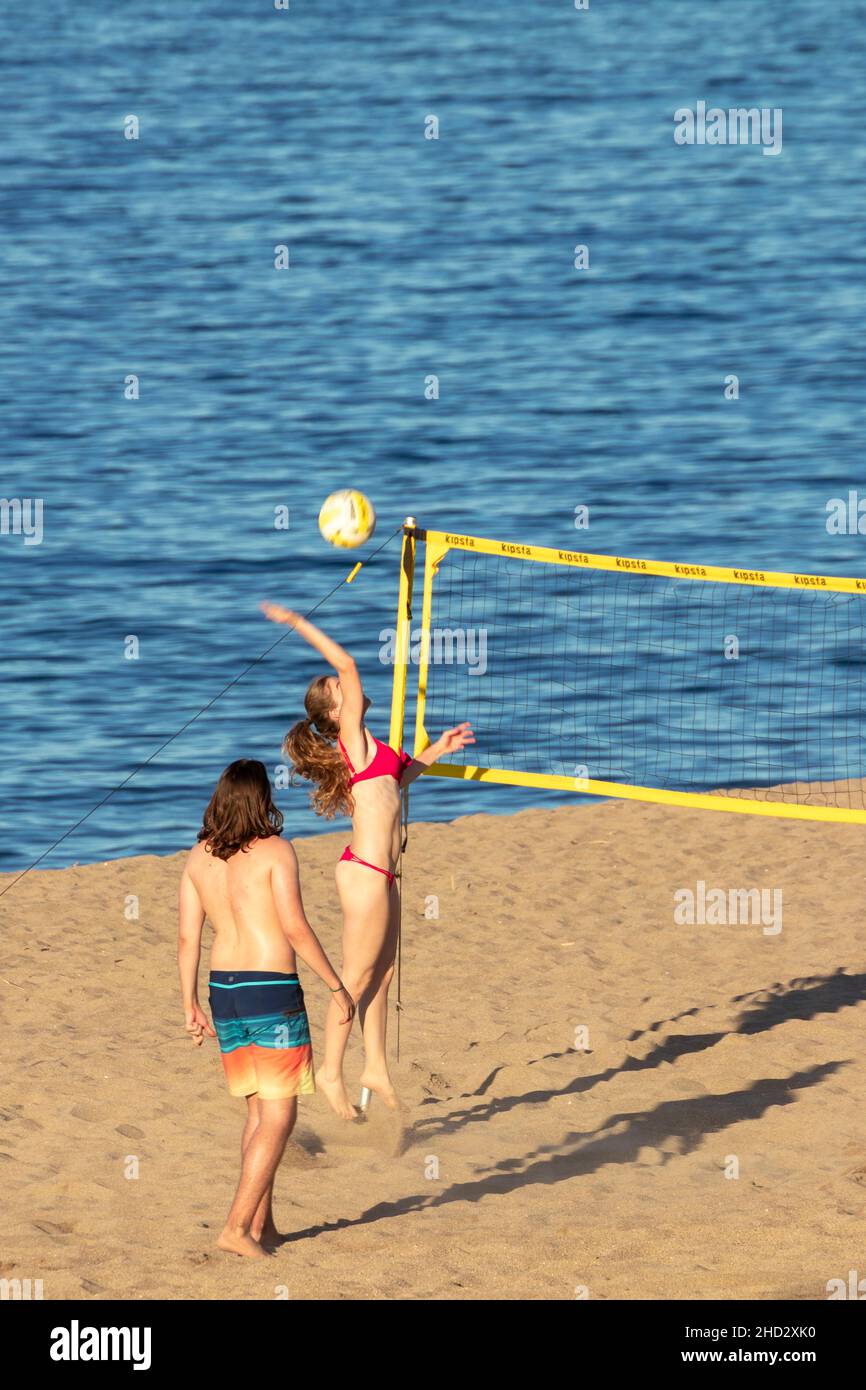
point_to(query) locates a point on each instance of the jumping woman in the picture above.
(355, 774)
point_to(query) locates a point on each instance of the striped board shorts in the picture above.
(263, 1033)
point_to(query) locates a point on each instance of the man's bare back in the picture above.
(252, 901)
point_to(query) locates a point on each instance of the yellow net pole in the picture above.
(434, 552)
(395, 734)
(395, 738)
(404, 624)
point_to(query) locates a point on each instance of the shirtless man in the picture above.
(244, 877)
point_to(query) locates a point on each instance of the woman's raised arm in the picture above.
(352, 707)
(334, 654)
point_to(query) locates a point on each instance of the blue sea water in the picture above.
(409, 257)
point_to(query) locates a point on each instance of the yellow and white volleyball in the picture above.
(347, 518)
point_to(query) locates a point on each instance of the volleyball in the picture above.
(347, 518)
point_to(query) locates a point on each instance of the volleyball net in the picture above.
(729, 689)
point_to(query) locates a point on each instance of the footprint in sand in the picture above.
(130, 1131)
(431, 1081)
(53, 1228)
(91, 1114)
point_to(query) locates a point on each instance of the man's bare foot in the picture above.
(380, 1084)
(334, 1092)
(241, 1244)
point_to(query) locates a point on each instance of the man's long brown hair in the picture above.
(311, 748)
(240, 810)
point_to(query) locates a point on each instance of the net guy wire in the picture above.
(155, 754)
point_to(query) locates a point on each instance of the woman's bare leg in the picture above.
(365, 900)
(373, 1015)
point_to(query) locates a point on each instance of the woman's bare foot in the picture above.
(241, 1243)
(379, 1082)
(334, 1091)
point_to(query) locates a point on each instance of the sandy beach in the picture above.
(596, 1096)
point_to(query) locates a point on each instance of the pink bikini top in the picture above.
(386, 763)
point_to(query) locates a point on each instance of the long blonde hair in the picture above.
(311, 748)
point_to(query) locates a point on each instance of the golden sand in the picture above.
(581, 1077)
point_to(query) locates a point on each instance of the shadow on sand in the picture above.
(619, 1140)
(766, 1009)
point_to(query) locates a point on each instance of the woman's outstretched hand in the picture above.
(454, 739)
(280, 615)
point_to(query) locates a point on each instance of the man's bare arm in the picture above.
(191, 921)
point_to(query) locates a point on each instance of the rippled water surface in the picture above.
(409, 257)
